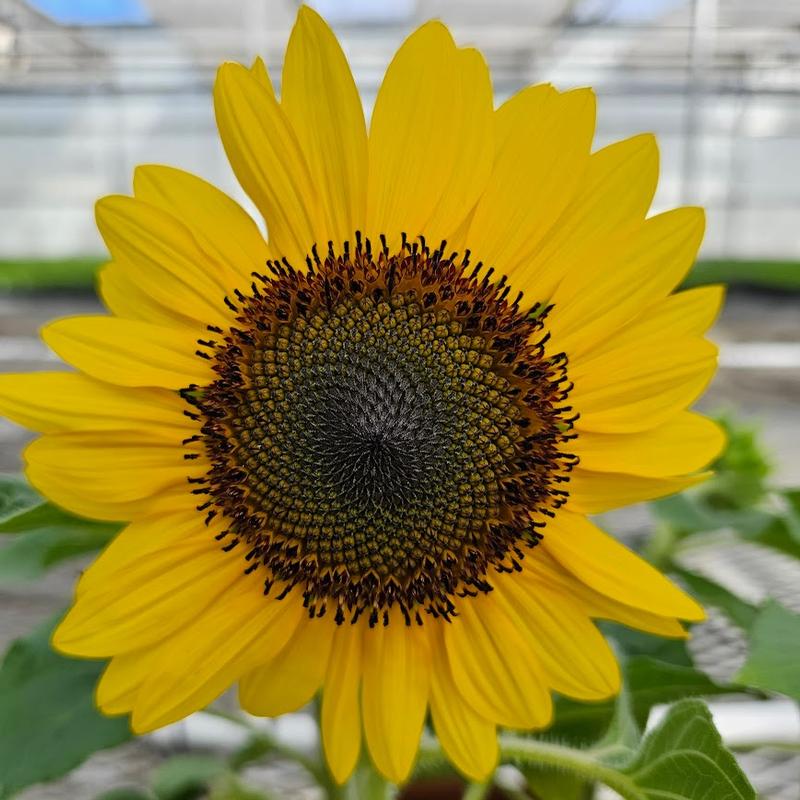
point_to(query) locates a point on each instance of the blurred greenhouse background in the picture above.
(91, 88)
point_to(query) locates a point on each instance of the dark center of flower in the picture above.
(382, 429)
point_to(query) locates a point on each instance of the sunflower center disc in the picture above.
(382, 429)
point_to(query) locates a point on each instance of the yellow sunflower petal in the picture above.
(128, 352)
(596, 492)
(599, 606)
(293, 677)
(122, 295)
(543, 142)
(258, 69)
(222, 228)
(396, 685)
(469, 740)
(51, 402)
(685, 443)
(494, 666)
(634, 388)
(622, 279)
(544, 569)
(105, 475)
(611, 569)
(165, 258)
(321, 101)
(417, 183)
(340, 717)
(119, 684)
(576, 660)
(210, 653)
(265, 154)
(685, 314)
(154, 594)
(143, 537)
(615, 195)
(474, 154)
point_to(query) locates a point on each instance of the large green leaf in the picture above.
(48, 722)
(45, 536)
(710, 593)
(649, 682)
(16, 496)
(691, 512)
(684, 759)
(44, 533)
(779, 534)
(773, 663)
(630, 642)
(186, 777)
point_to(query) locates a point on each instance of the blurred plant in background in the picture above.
(50, 724)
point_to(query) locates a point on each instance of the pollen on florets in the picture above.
(382, 429)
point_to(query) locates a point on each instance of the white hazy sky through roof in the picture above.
(631, 11)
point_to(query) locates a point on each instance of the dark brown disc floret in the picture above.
(382, 429)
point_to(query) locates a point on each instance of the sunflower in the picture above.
(357, 458)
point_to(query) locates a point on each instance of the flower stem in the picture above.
(476, 791)
(367, 783)
(579, 762)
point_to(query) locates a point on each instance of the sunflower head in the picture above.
(384, 428)
(357, 456)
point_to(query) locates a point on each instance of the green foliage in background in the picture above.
(770, 668)
(50, 535)
(779, 275)
(48, 724)
(71, 274)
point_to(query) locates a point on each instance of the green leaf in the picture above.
(187, 777)
(124, 794)
(793, 498)
(231, 789)
(46, 535)
(710, 593)
(772, 664)
(649, 682)
(684, 759)
(684, 513)
(49, 722)
(630, 642)
(255, 749)
(623, 735)
(692, 512)
(16, 496)
(741, 470)
(779, 535)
